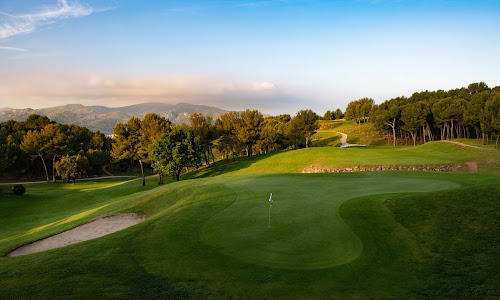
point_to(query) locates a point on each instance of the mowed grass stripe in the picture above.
(306, 230)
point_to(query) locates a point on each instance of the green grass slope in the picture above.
(366, 235)
(434, 153)
(364, 134)
(325, 138)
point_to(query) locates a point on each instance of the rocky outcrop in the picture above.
(323, 169)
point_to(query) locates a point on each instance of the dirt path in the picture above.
(465, 145)
(344, 142)
(105, 170)
(82, 179)
(94, 229)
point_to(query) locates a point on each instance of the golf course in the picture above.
(349, 235)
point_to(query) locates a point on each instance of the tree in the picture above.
(477, 87)
(359, 110)
(446, 112)
(491, 116)
(306, 122)
(4, 158)
(414, 116)
(175, 151)
(329, 115)
(225, 126)
(34, 145)
(72, 167)
(97, 159)
(54, 142)
(388, 114)
(152, 127)
(97, 141)
(202, 126)
(248, 128)
(36, 122)
(128, 143)
(338, 114)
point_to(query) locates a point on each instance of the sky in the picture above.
(276, 56)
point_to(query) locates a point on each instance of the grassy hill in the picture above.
(364, 134)
(433, 153)
(397, 234)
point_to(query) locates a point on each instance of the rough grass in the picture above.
(475, 142)
(364, 134)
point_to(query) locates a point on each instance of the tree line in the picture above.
(39, 143)
(171, 148)
(472, 112)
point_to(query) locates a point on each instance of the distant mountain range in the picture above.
(104, 118)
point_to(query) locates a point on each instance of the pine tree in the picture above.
(34, 145)
(128, 143)
(175, 151)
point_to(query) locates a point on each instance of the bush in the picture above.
(18, 189)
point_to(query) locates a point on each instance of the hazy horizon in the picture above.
(276, 56)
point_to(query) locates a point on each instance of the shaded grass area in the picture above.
(187, 246)
(433, 153)
(46, 209)
(208, 237)
(325, 139)
(364, 134)
(191, 245)
(461, 232)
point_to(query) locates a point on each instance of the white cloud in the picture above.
(263, 86)
(12, 49)
(21, 24)
(40, 89)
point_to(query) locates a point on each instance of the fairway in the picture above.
(343, 236)
(307, 231)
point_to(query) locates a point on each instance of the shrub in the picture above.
(18, 189)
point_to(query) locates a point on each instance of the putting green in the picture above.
(306, 229)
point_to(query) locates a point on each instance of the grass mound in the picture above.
(433, 153)
(354, 235)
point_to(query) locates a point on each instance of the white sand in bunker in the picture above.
(94, 229)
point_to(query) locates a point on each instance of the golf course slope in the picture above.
(366, 235)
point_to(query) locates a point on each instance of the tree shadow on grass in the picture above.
(227, 166)
(333, 141)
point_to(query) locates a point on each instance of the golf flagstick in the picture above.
(270, 205)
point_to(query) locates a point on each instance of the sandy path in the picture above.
(465, 145)
(81, 179)
(94, 229)
(344, 142)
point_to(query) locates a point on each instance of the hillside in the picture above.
(104, 118)
(365, 235)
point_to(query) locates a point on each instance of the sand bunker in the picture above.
(94, 229)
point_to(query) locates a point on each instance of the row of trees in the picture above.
(170, 148)
(333, 115)
(359, 110)
(472, 112)
(39, 138)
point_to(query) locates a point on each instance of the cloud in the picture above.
(260, 3)
(40, 89)
(12, 25)
(13, 49)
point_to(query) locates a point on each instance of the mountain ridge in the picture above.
(104, 118)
